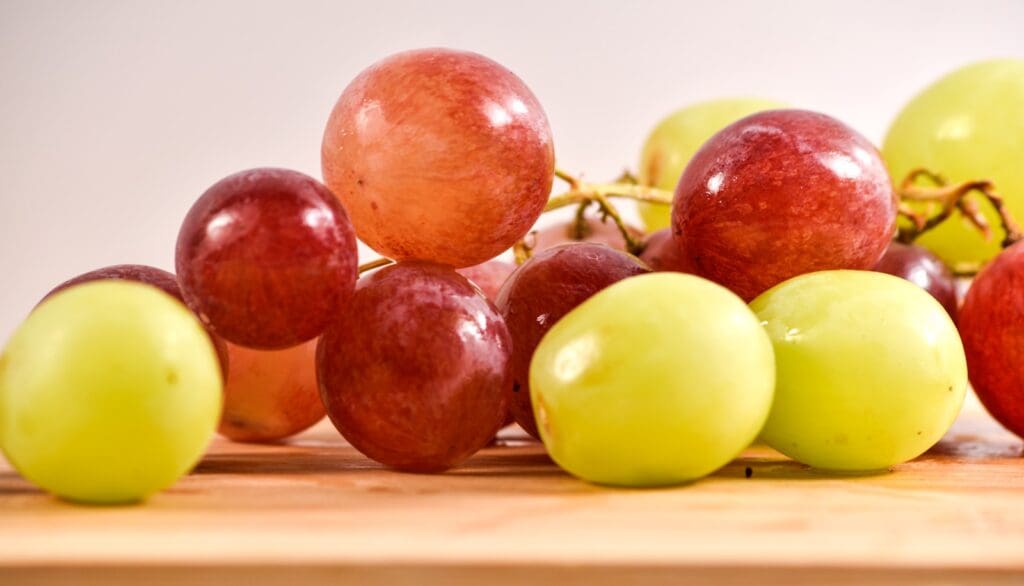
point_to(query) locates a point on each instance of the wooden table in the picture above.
(316, 511)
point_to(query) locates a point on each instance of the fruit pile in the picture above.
(788, 289)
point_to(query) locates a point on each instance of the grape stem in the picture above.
(951, 197)
(374, 264)
(586, 194)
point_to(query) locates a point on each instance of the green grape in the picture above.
(678, 136)
(109, 391)
(870, 369)
(658, 379)
(968, 125)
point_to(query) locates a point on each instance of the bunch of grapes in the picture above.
(779, 293)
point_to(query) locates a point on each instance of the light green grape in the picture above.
(109, 391)
(870, 369)
(968, 125)
(678, 136)
(656, 380)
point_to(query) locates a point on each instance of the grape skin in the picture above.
(656, 380)
(439, 155)
(158, 278)
(266, 258)
(109, 392)
(780, 194)
(676, 138)
(924, 269)
(415, 372)
(270, 395)
(992, 326)
(870, 369)
(545, 288)
(967, 126)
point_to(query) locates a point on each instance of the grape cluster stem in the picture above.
(951, 197)
(585, 194)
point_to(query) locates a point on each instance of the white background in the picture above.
(115, 116)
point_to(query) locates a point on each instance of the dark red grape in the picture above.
(158, 278)
(489, 276)
(439, 155)
(783, 193)
(414, 372)
(991, 323)
(267, 257)
(922, 268)
(664, 253)
(545, 288)
(594, 230)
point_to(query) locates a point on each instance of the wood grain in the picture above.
(315, 511)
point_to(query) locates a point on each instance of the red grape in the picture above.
(267, 257)
(270, 395)
(922, 268)
(414, 372)
(594, 230)
(545, 288)
(489, 276)
(991, 323)
(782, 193)
(158, 278)
(439, 155)
(663, 253)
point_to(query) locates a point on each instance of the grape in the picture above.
(540, 292)
(270, 395)
(267, 257)
(924, 269)
(439, 155)
(663, 253)
(414, 373)
(488, 276)
(594, 230)
(992, 325)
(968, 125)
(783, 193)
(158, 278)
(109, 391)
(656, 380)
(870, 369)
(675, 140)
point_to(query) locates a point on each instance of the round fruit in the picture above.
(663, 253)
(968, 125)
(414, 373)
(488, 276)
(870, 369)
(270, 395)
(109, 392)
(992, 325)
(656, 380)
(439, 155)
(545, 288)
(267, 257)
(780, 194)
(924, 269)
(675, 140)
(158, 278)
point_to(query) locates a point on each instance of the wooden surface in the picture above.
(316, 511)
